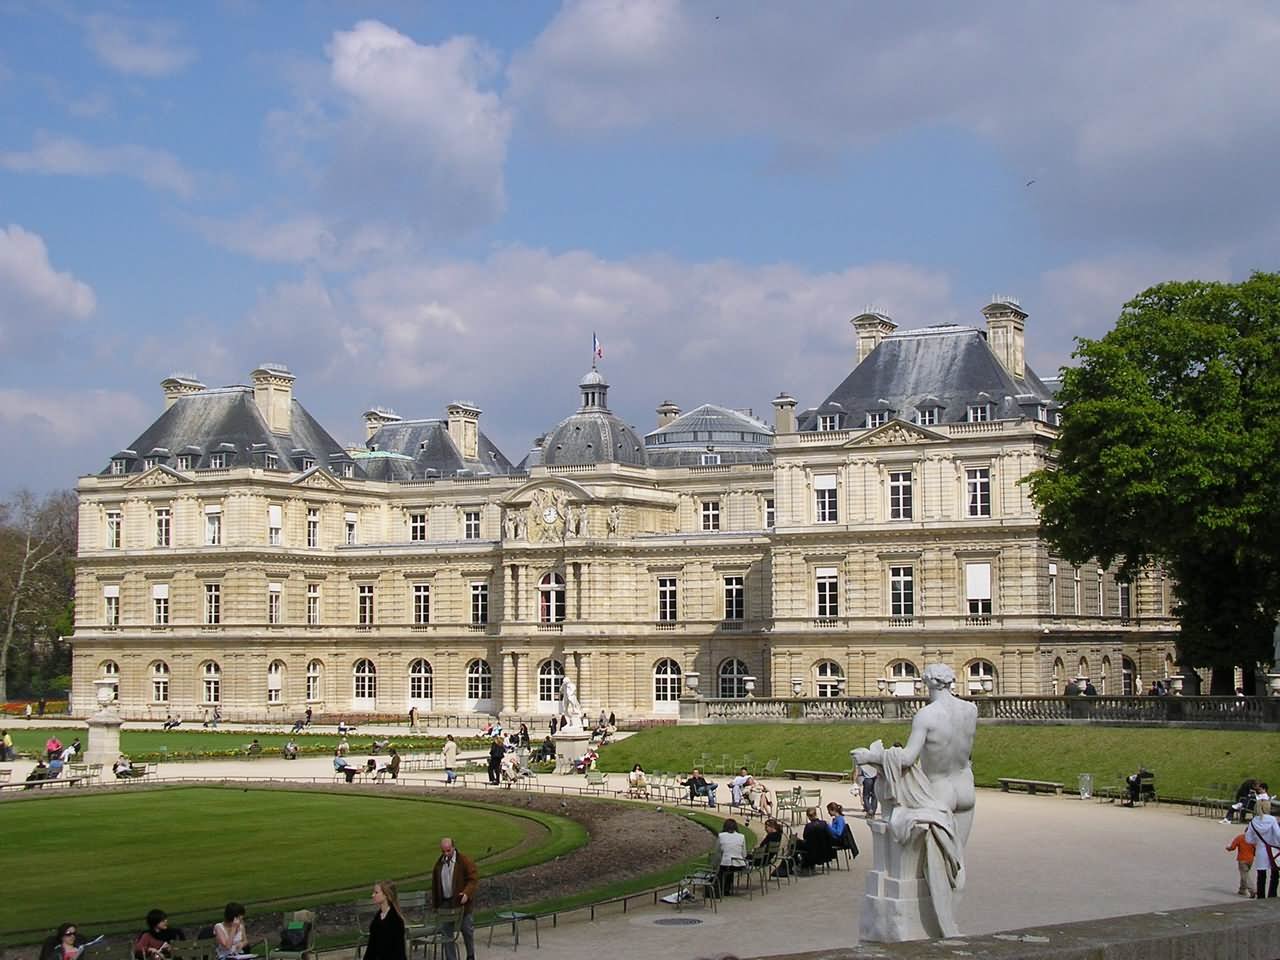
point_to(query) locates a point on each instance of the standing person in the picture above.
(613, 720)
(524, 735)
(1264, 833)
(413, 719)
(496, 753)
(554, 722)
(453, 885)
(6, 747)
(308, 718)
(1244, 862)
(869, 799)
(233, 939)
(26, 712)
(450, 751)
(386, 929)
(733, 855)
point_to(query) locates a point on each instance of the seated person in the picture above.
(379, 746)
(769, 844)
(254, 748)
(548, 750)
(171, 722)
(341, 765)
(837, 824)
(39, 773)
(700, 787)
(738, 784)
(343, 728)
(637, 781)
(299, 725)
(375, 766)
(1133, 784)
(55, 768)
(343, 747)
(759, 797)
(70, 751)
(122, 768)
(153, 942)
(290, 750)
(66, 944)
(509, 768)
(815, 844)
(52, 747)
(733, 854)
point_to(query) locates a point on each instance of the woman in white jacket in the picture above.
(1264, 833)
(733, 854)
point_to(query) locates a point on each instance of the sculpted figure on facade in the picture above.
(927, 793)
(615, 519)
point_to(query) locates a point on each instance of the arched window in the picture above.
(1059, 677)
(827, 678)
(1082, 670)
(1168, 665)
(479, 680)
(211, 675)
(550, 676)
(982, 677)
(732, 684)
(275, 681)
(666, 683)
(1106, 672)
(366, 683)
(902, 676)
(1129, 677)
(110, 670)
(315, 672)
(159, 682)
(421, 682)
(551, 599)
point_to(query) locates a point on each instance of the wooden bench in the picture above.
(1032, 786)
(817, 774)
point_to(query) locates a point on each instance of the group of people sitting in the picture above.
(156, 941)
(818, 844)
(1248, 796)
(377, 767)
(55, 760)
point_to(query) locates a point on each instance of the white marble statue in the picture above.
(927, 795)
(570, 708)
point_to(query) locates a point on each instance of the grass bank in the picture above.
(1185, 761)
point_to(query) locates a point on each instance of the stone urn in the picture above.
(750, 684)
(1176, 683)
(104, 726)
(797, 686)
(691, 681)
(1273, 684)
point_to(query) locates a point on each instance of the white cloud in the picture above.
(32, 293)
(69, 157)
(71, 417)
(308, 239)
(145, 48)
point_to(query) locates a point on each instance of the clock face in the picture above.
(550, 515)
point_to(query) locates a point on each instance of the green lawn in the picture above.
(103, 861)
(1185, 761)
(144, 744)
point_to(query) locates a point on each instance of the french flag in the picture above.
(597, 349)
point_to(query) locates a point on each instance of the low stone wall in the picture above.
(1249, 930)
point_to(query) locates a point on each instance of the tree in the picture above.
(37, 550)
(1168, 454)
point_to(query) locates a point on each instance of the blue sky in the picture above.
(412, 203)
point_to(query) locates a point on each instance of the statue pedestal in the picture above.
(571, 744)
(104, 737)
(897, 905)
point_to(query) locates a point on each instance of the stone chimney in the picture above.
(377, 417)
(464, 429)
(179, 385)
(1006, 333)
(871, 326)
(273, 393)
(784, 414)
(667, 411)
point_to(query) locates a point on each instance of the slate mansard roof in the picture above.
(731, 435)
(946, 367)
(227, 420)
(423, 450)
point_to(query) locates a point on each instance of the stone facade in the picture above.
(472, 594)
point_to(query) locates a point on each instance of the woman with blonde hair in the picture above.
(386, 929)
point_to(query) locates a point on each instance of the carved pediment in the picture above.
(320, 478)
(554, 486)
(896, 433)
(158, 476)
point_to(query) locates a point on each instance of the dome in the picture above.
(593, 378)
(593, 436)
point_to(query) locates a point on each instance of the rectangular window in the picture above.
(364, 604)
(348, 470)
(275, 682)
(313, 527)
(313, 680)
(710, 459)
(115, 529)
(900, 491)
(163, 526)
(186, 461)
(1101, 595)
(829, 421)
(421, 603)
(111, 605)
(350, 521)
(160, 604)
(119, 467)
(978, 492)
(273, 603)
(1053, 589)
(902, 591)
(480, 602)
(418, 527)
(148, 463)
(877, 418)
(471, 525)
(667, 606)
(271, 462)
(160, 688)
(977, 589)
(824, 496)
(313, 604)
(1075, 593)
(735, 599)
(308, 463)
(978, 413)
(827, 582)
(927, 417)
(1042, 412)
(710, 514)
(217, 461)
(770, 514)
(212, 603)
(1123, 602)
(1159, 597)
(212, 526)
(275, 524)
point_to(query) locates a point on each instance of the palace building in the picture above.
(235, 555)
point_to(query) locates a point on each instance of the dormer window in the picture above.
(1042, 413)
(1057, 418)
(119, 467)
(348, 470)
(927, 417)
(877, 418)
(148, 463)
(217, 461)
(979, 412)
(308, 463)
(185, 461)
(271, 462)
(829, 421)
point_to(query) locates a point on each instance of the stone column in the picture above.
(505, 698)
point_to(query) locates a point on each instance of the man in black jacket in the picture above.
(816, 847)
(496, 753)
(699, 787)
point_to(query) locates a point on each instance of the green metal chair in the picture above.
(512, 916)
(308, 951)
(442, 927)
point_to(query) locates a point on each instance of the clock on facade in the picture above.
(549, 515)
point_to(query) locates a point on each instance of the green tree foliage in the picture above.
(1169, 452)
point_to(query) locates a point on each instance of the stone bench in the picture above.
(817, 774)
(1032, 786)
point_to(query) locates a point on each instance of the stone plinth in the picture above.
(897, 905)
(571, 744)
(104, 737)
